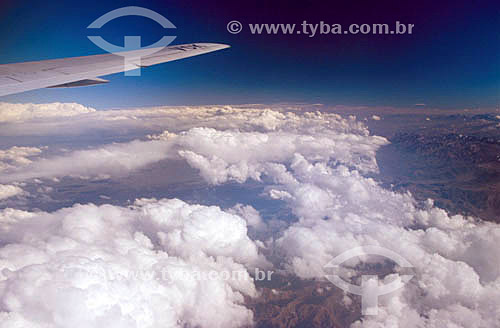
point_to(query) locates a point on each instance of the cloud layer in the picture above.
(320, 165)
(25, 112)
(230, 147)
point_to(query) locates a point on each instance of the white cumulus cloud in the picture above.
(7, 191)
(17, 156)
(156, 264)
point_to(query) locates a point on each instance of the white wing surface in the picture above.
(86, 70)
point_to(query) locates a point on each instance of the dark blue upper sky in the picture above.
(452, 59)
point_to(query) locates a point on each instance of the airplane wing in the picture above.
(86, 70)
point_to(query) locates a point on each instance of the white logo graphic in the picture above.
(370, 289)
(132, 61)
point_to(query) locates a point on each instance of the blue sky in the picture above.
(450, 61)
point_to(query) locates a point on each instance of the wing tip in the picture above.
(213, 45)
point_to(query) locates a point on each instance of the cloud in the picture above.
(222, 154)
(149, 265)
(251, 216)
(7, 191)
(25, 112)
(17, 156)
(113, 159)
(73, 119)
